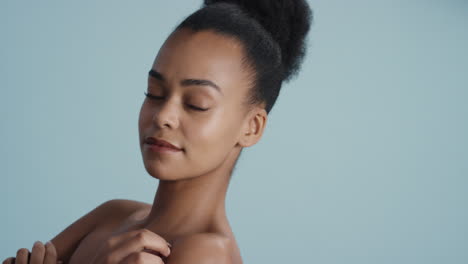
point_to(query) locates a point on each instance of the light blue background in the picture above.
(365, 156)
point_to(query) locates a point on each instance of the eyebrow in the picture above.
(186, 82)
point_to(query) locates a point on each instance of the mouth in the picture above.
(161, 144)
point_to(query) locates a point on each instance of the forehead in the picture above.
(202, 55)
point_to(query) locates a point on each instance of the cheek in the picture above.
(214, 136)
(145, 117)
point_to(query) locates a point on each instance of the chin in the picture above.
(157, 172)
(162, 171)
(161, 177)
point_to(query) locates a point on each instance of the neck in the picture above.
(192, 205)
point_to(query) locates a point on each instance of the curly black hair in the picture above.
(272, 32)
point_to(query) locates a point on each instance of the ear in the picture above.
(253, 127)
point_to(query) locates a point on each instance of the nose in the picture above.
(166, 115)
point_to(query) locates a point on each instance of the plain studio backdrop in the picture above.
(364, 158)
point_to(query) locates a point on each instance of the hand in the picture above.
(137, 246)
(41, 254)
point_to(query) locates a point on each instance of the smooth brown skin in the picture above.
(188, 210)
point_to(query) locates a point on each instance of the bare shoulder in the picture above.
(68, 240)
(201, 248)
(117, 210)
(125, 206)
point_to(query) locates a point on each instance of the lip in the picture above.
(160, 144)
(160, 149)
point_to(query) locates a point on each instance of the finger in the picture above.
(118, 239)
(22, 256)
(8, 260)
(50, 253)
(151, 242)
(144, 239)
(142, 257)
(37, 254)
(114, 241)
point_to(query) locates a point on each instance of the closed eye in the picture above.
(154, 97)
(151, 96)
(197, 108)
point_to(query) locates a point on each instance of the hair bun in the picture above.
(288, 22)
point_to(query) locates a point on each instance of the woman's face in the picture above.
(205, 137)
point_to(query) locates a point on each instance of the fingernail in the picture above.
(169, 244)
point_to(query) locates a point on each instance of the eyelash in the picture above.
(154, 97)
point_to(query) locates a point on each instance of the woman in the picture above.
(210, 89)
